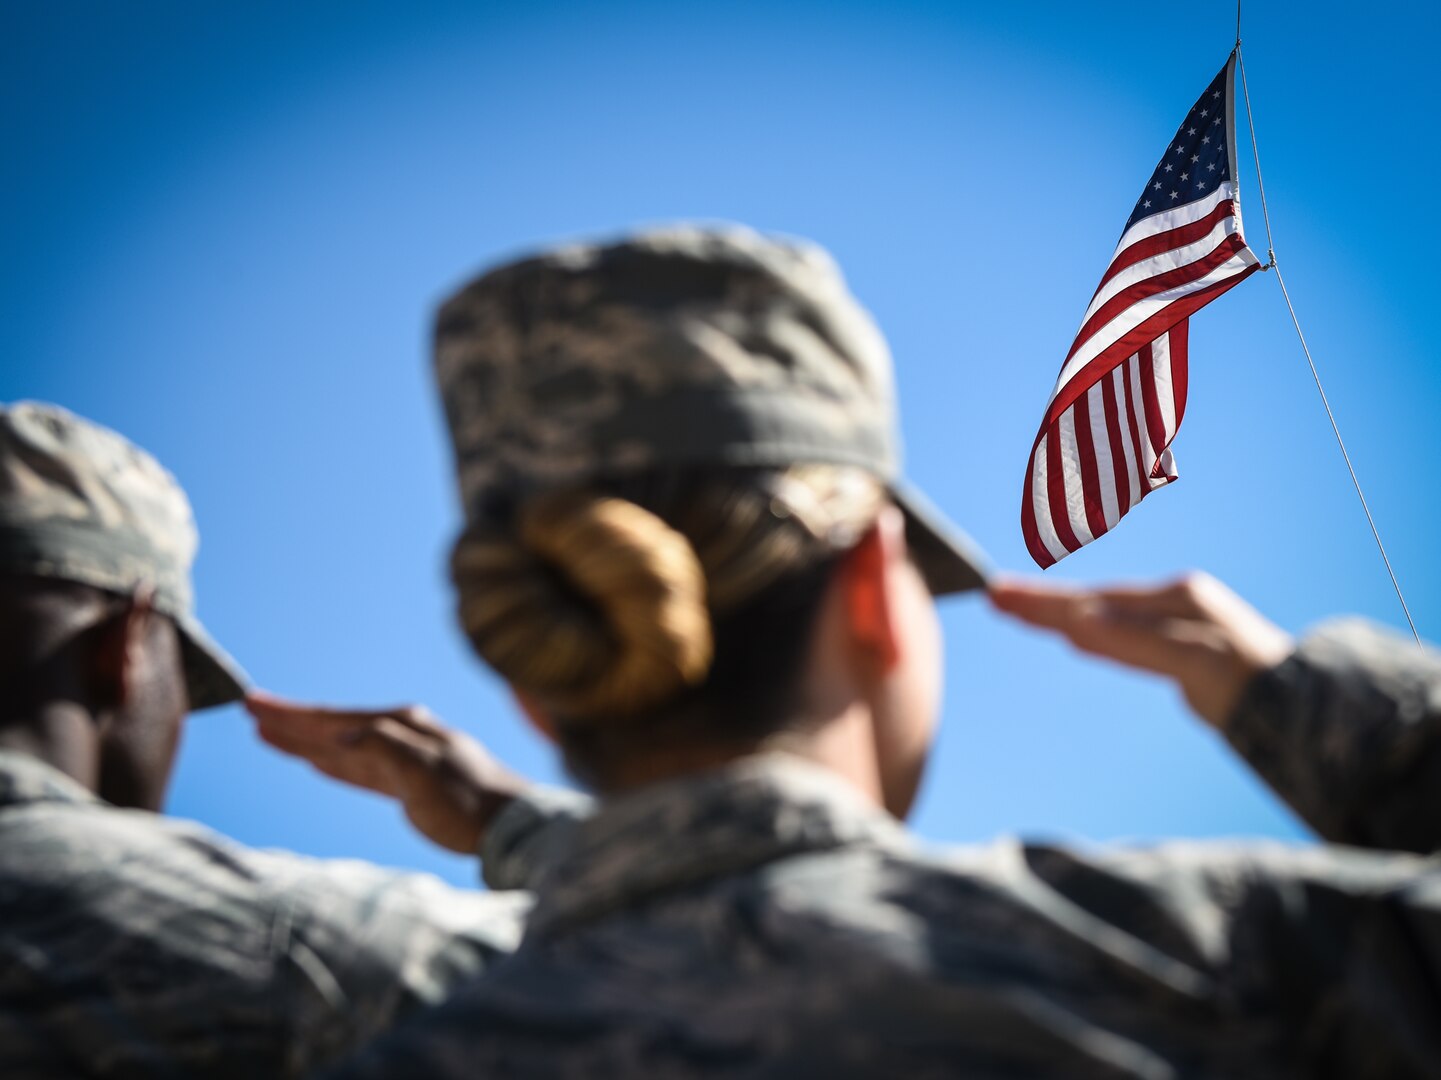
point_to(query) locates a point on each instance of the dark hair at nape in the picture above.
(751, 691)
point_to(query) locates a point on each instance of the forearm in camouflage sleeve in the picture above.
(1348, 732)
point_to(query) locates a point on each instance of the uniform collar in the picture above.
(682, 832)
(27, 779)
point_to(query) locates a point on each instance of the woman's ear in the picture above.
(539, 717)
(870, 580)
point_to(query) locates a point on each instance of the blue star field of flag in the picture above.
(1196, 161)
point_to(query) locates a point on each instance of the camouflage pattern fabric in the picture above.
(684, 346)
(80, 503)
(133, 945)
(1346, 731)
(530, 833)
(764, 920)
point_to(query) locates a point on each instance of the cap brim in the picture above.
(950, 561)
(211, 675)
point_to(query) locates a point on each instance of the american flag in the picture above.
(1105, 442)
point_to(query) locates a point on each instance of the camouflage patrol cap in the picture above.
(80, 503)
(677, 346)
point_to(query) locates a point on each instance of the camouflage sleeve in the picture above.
(518, 840)
(1348, 732)
(1325, 958)
(134, 945)
(359, 946)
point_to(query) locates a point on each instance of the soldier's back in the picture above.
(763, 920)
(136, 945)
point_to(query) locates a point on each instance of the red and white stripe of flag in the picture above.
(1104, 444)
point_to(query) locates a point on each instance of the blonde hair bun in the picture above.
(592, 603)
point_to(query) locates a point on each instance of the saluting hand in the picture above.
(450, 786)
(1195, 630)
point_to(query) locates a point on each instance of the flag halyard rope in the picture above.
(1272, 265)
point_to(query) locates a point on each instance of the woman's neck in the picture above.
(843, 744)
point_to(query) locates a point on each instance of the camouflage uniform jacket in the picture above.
(763, 920)
(133, 945)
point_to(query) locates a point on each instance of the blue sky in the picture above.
(224, 227)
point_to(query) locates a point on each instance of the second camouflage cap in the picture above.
(676, 346)
(80, 503)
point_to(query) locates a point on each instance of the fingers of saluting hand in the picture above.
(1066, 607)
(367, 771)
(1196, 613)
(1193, 629)
(301, 724)
(1141, 627)
(1167, 645)
(1052, 607)
(294, 724)
(376, 749)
